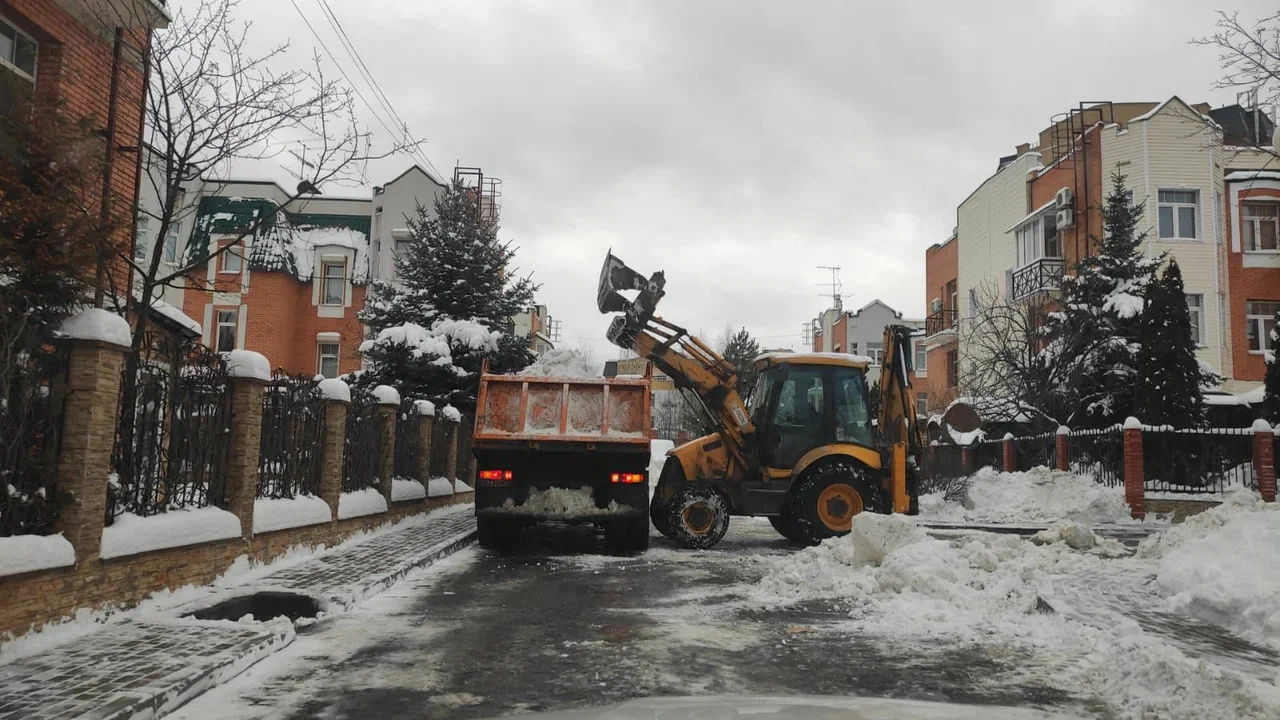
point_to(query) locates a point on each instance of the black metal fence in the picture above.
(439, 438)
(1030, 451)
(365, 442)
(173, 438)
(1198, 461)
(1098, 454)
(289, 454)
(943, 466)
(988, 453)
(406, 459)
(31, 402)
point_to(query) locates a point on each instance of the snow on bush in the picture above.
(406, 489)
(28, 553)
(358, 503)
(1039, 495)
(282, 513)
(563, 503)
(436, 342)
(563, 362)
(131, 534)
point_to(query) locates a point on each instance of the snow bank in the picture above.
(406, 489)
(563, 503)
(563, 363)
(359, 503)
(131, 534)
(1039, 495)
(28, 553)
(439, 487)
(97, 324)
(451, 414)
(283, 513)
(463, 488)
(248, 364)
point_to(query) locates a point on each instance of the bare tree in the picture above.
(1249, 54)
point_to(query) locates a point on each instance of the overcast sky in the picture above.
(740, 145)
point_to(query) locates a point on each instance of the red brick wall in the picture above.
(941, 266)
(1071, 173)
(1246, 284)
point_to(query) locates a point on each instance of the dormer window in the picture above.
(334, 282)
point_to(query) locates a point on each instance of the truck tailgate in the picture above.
(563, 410)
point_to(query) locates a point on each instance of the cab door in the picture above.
(797, 416)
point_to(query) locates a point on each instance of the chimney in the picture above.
(1023, 149)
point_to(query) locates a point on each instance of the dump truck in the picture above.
(566, 449)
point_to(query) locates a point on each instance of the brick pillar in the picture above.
(246, 442)
(1264, 461)
(1134, 485)
(335, 432)
(89, 420)
(426, 424)
(451, 450)
(1062, 448)
(1008, 455)
(387, 412)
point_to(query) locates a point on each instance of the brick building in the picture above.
(941, 339)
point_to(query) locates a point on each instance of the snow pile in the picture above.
(439, 487)
(1039, 495)
(406, 489)
(283, 513)
(28, 553)
(1222, 566)
(97, 324)
(131, 534)
(562, 503)
(564, 362)
(358, 503)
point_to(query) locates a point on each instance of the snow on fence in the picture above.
(30, 425)
(365, 442)
(292, 430)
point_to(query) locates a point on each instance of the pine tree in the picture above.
(1090, 357)
(1171, 389)
(1271, 396)
(741, 352)
(451, 308)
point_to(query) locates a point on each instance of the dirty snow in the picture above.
(1037, 496)
(131, 534)
(97, 324)
(281, 513)
(358, 503)
(563, 362)
(28, 553)
(563, 503)
(406, 489)
(439, 487)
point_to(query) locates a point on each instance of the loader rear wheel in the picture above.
(827, 499)
(787, 528)
(699, 517)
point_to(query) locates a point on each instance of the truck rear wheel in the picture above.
(699, 517)
(497, 533)
(628, 535)
(828, 497)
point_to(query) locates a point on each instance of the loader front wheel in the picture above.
(672, 474)
(827, 499)
(788, 528)
(699, 517)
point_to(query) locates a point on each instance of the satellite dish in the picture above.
(962, 417)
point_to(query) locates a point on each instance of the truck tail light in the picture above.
(626, 478)
(496, 475)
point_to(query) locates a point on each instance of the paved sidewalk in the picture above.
(150, 667)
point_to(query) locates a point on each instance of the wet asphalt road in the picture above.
(561, 625)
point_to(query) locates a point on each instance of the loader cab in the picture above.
(805, 401)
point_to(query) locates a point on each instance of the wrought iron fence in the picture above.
(365, 442)
(1030, 451)
(289, 451)
(939, 321)
(988, 453)
(406, 459)
(1098, 454)
(1198, 461)
(31, 404)
(439, 461)
(174, 431)
(943, 470)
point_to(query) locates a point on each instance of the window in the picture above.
(402, 247)
(796, 427)
(171, 244)
(226, 339)
(1260, 322)
(952, 297)
(334, 284)
(973, 302)
(853, 348)
(875, 350)
(922, 403)
(141, 239)
(329, 360)
(921, 356)
(1038, 239)
(1195, 307)
(1178, 214)
(1260, 227)
(853, 421)
(953, 368)
(17, 50)
(232, 261)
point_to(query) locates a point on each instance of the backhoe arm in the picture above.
(900, 434)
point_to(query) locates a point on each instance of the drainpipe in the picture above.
(108, 162)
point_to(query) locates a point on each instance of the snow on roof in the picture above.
(813, 357)
(1239, 175)
(1031, 216)
(1156, 110)
(176, 315)
(1244, 399)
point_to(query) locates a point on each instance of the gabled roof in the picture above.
(410, 169)
(1157, 109)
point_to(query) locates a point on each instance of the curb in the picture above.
(377, 585)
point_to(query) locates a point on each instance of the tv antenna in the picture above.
(835, 285)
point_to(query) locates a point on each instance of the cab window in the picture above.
(853, 420)
(797, 423)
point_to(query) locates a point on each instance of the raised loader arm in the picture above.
(687, 360)
(901, 438)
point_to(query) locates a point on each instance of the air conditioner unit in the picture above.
(1063, 198)
(1065, 218)
(935, 305)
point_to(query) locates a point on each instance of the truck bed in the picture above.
(562, 411)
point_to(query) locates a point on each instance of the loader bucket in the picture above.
(615, 278)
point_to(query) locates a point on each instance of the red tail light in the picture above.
(627, 478)
(495, 475)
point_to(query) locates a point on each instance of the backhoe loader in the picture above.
(803, 450)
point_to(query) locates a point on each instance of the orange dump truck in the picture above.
(565, 449)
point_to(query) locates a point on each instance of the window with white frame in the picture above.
(1259, 322)
(922, 403)
(328, 364)
(334, 279)
(1038, 239)
(171, 243)
(1195, 308)
(141, 239)
(1260, 226)
(875, 351)
(922, 355)
(232, 260)
(853, 348)
(18, 50)
(1177, 214)
(226, 337)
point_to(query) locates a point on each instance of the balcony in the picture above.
(1040, 275)
(940, 328)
